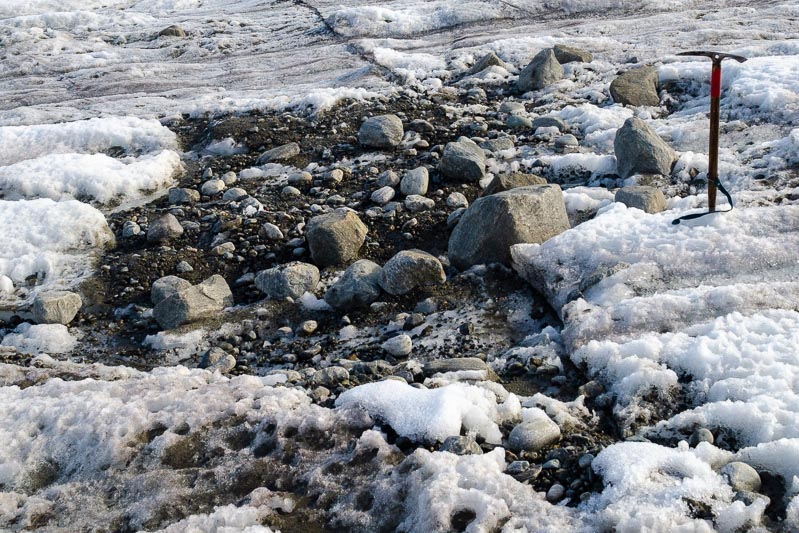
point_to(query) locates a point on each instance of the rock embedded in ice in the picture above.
(537, 431)
(636, 87)
(741, 476)
(180, 195)
(506, 182)
(701, 435)
(212, 187)
(409, 269)
(461, 445)
(542, 71)
(569, 54)
(165, 287)
(172, 31)
(566, 143)
(359, 286)
(270, 231)
(639, 150)
(164, 229)
(384, 131)
(494, 223)
(279, 153)
(399, 346)
(645, 198)
(335, 238)
(463, 161)
(331, 377)
(489, 60)
(56, 307)
(217, 359)
(383, 195)
(416, 203)
(198, 301)
(415, 181)
(291, 280)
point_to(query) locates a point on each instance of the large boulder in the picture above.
(639, 150)
(335, 238)
(56, 307)
(648, 199)
(569, 54)
(494, 223)
(463, 161)
(196, 302)
(506, 182)
(359, 286)
(291, 280)
(543, 70)
(636, 87)
(384, 131)
(410, 269)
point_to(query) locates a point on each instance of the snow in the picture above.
(433, 415)
(40, 338)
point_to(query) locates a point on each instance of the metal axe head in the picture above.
(717, 57)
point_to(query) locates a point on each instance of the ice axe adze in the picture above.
(713, 145)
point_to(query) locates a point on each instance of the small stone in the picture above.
(566, 143)
(399, 346)
(491, 59)
(585, 461)
(320, 394)
(130, 229)
(383, 195)
(542, 71)
(172, 31)
(164, 229)
(416, 203)
(519, 122)
(222, 249)
(300, 179)
(456, 199)
(647, 199)
(497, 145)
(409, 269)
(184, 267)
(279, 153)
(384, 131)
(164, 287)
(199, 301)
(517, 467)
(235, 194)
(636, 87)
(569, 54)
(461, 445)
(217, 359)
(229, 178)
(290, 192)
(308, 327)
(511, 107)
(556, 493)
(741, 476)
(332, 376)
(270, 232)
(56, 307)
(701, 435)
(463, 161)
(388, 178)
(183, 196)
(335, 238)
(212, 187)
(359, 286)
(415, 181)
(536, 432)
(291, 280)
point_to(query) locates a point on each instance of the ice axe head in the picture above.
(717, 57)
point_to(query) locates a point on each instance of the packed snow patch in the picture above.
(40, 338)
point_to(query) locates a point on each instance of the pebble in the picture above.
(399, 346)
(212, 187)
(416, 204)
(383, 195)
(457, 200)
(556, 493)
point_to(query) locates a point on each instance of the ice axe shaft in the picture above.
(715, 105)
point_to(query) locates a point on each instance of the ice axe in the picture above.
(713, 144)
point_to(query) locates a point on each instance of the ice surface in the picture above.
(40, 338)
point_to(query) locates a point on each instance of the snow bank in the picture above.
(40, 338)
(433, 415)
(52, 240)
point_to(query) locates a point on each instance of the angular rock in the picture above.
(279, 153)
(384, 131)
(536, 432)
(331, 376)
(639, 150)
(569, 54)
(494, 223)
(359, 286)
(489, 60)
(542, 71)
(461, 445)
(172, 31)
(415, 181)
(409, 269)
(335, 238)
(383, 195)
(164, 229)
(165, 287)
(388, 178)
(217, 359)
(199, 301)
(506, 182)
(463, 161)
(636, 87)
(56, 307)
(648, 199)
(291, 280)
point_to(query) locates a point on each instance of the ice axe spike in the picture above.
(713, 142)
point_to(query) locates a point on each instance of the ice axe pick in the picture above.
(713, 143)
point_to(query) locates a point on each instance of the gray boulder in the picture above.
(649, 199)
(196, 302)
(741, 476)
(165, 287)
(463, 161)
(410, 269)
(536, 432)
(494, 223)
(543, 70)
(164, 229)
(179, 195)
(639, 150)
(506, 182)
(279, 153)
(384, 131)
(359, 286)
(415, 181)
(569, 54)
(335, 238)
(291, 280)
(636, 87)
(56, 307)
